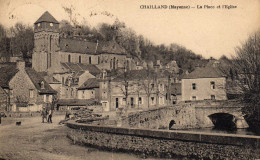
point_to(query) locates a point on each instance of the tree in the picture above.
(22, 40)
(247, 65)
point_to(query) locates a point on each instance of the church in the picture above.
(51, 51)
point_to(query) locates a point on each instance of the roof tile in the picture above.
(46, 17)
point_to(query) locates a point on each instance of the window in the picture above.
(213, 97)
(69, 58)
(31, 93)
(89, 60)
(140, 100)
(62, 80)
(51, 24)
(212, 85)
(152, 98)
(39, 24)
(79, 59)
(194, 98)
(194, 86)
(98, 60)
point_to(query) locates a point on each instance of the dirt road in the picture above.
(42, 141)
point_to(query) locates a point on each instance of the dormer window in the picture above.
(51, 24)
(39, 24)
(42, 85)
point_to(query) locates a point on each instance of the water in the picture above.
(234, 131)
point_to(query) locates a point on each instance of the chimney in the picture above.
(20, 65)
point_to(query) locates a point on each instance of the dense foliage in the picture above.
(247, 65)
(18, 40)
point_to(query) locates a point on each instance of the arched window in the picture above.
(50, 41)
(98, 60)
(79, 59)
(89, 60)
(69, 58)
(114, 63)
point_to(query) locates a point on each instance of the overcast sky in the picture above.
(209, 32)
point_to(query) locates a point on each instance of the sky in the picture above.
(209, 32)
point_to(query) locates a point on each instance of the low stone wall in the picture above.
(162, 143)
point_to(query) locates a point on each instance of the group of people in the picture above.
(47, 114)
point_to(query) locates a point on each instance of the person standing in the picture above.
(44, 114)
(50, 112)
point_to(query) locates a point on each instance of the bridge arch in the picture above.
(223, 121)
(224, 118)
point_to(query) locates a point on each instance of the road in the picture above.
(43, 141)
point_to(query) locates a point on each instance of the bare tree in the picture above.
(247, 66)
(147, 84)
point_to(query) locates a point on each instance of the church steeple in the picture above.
(46, 23)
(46, 41)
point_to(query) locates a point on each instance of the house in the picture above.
(134, 89)
(89, 89)
(28, 90)
(7, 72)
(207, 83)
(4, 100)
(50, 50)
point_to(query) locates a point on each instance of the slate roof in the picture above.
(141, 75)
(77, 102)
(79, 68)
(90, 84)
(46, 17)
(36, 79)
(175, 88)
(205, 72)
(6, 74)
(110, 47)
(77, 46)
(86, 47)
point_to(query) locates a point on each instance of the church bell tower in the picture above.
(46, 42)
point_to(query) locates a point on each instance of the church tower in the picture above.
(46, 42)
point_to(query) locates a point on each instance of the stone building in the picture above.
(7, 72)
(28, 90)
(50, 50)
(135, 89)
(206, 83)
(89, 89)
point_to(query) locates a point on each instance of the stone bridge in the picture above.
(186, 115)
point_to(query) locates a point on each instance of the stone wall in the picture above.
(167, 143)
(183, 116)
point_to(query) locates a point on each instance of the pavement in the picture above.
(33, 140)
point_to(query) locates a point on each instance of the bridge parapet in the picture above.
(184, 115)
